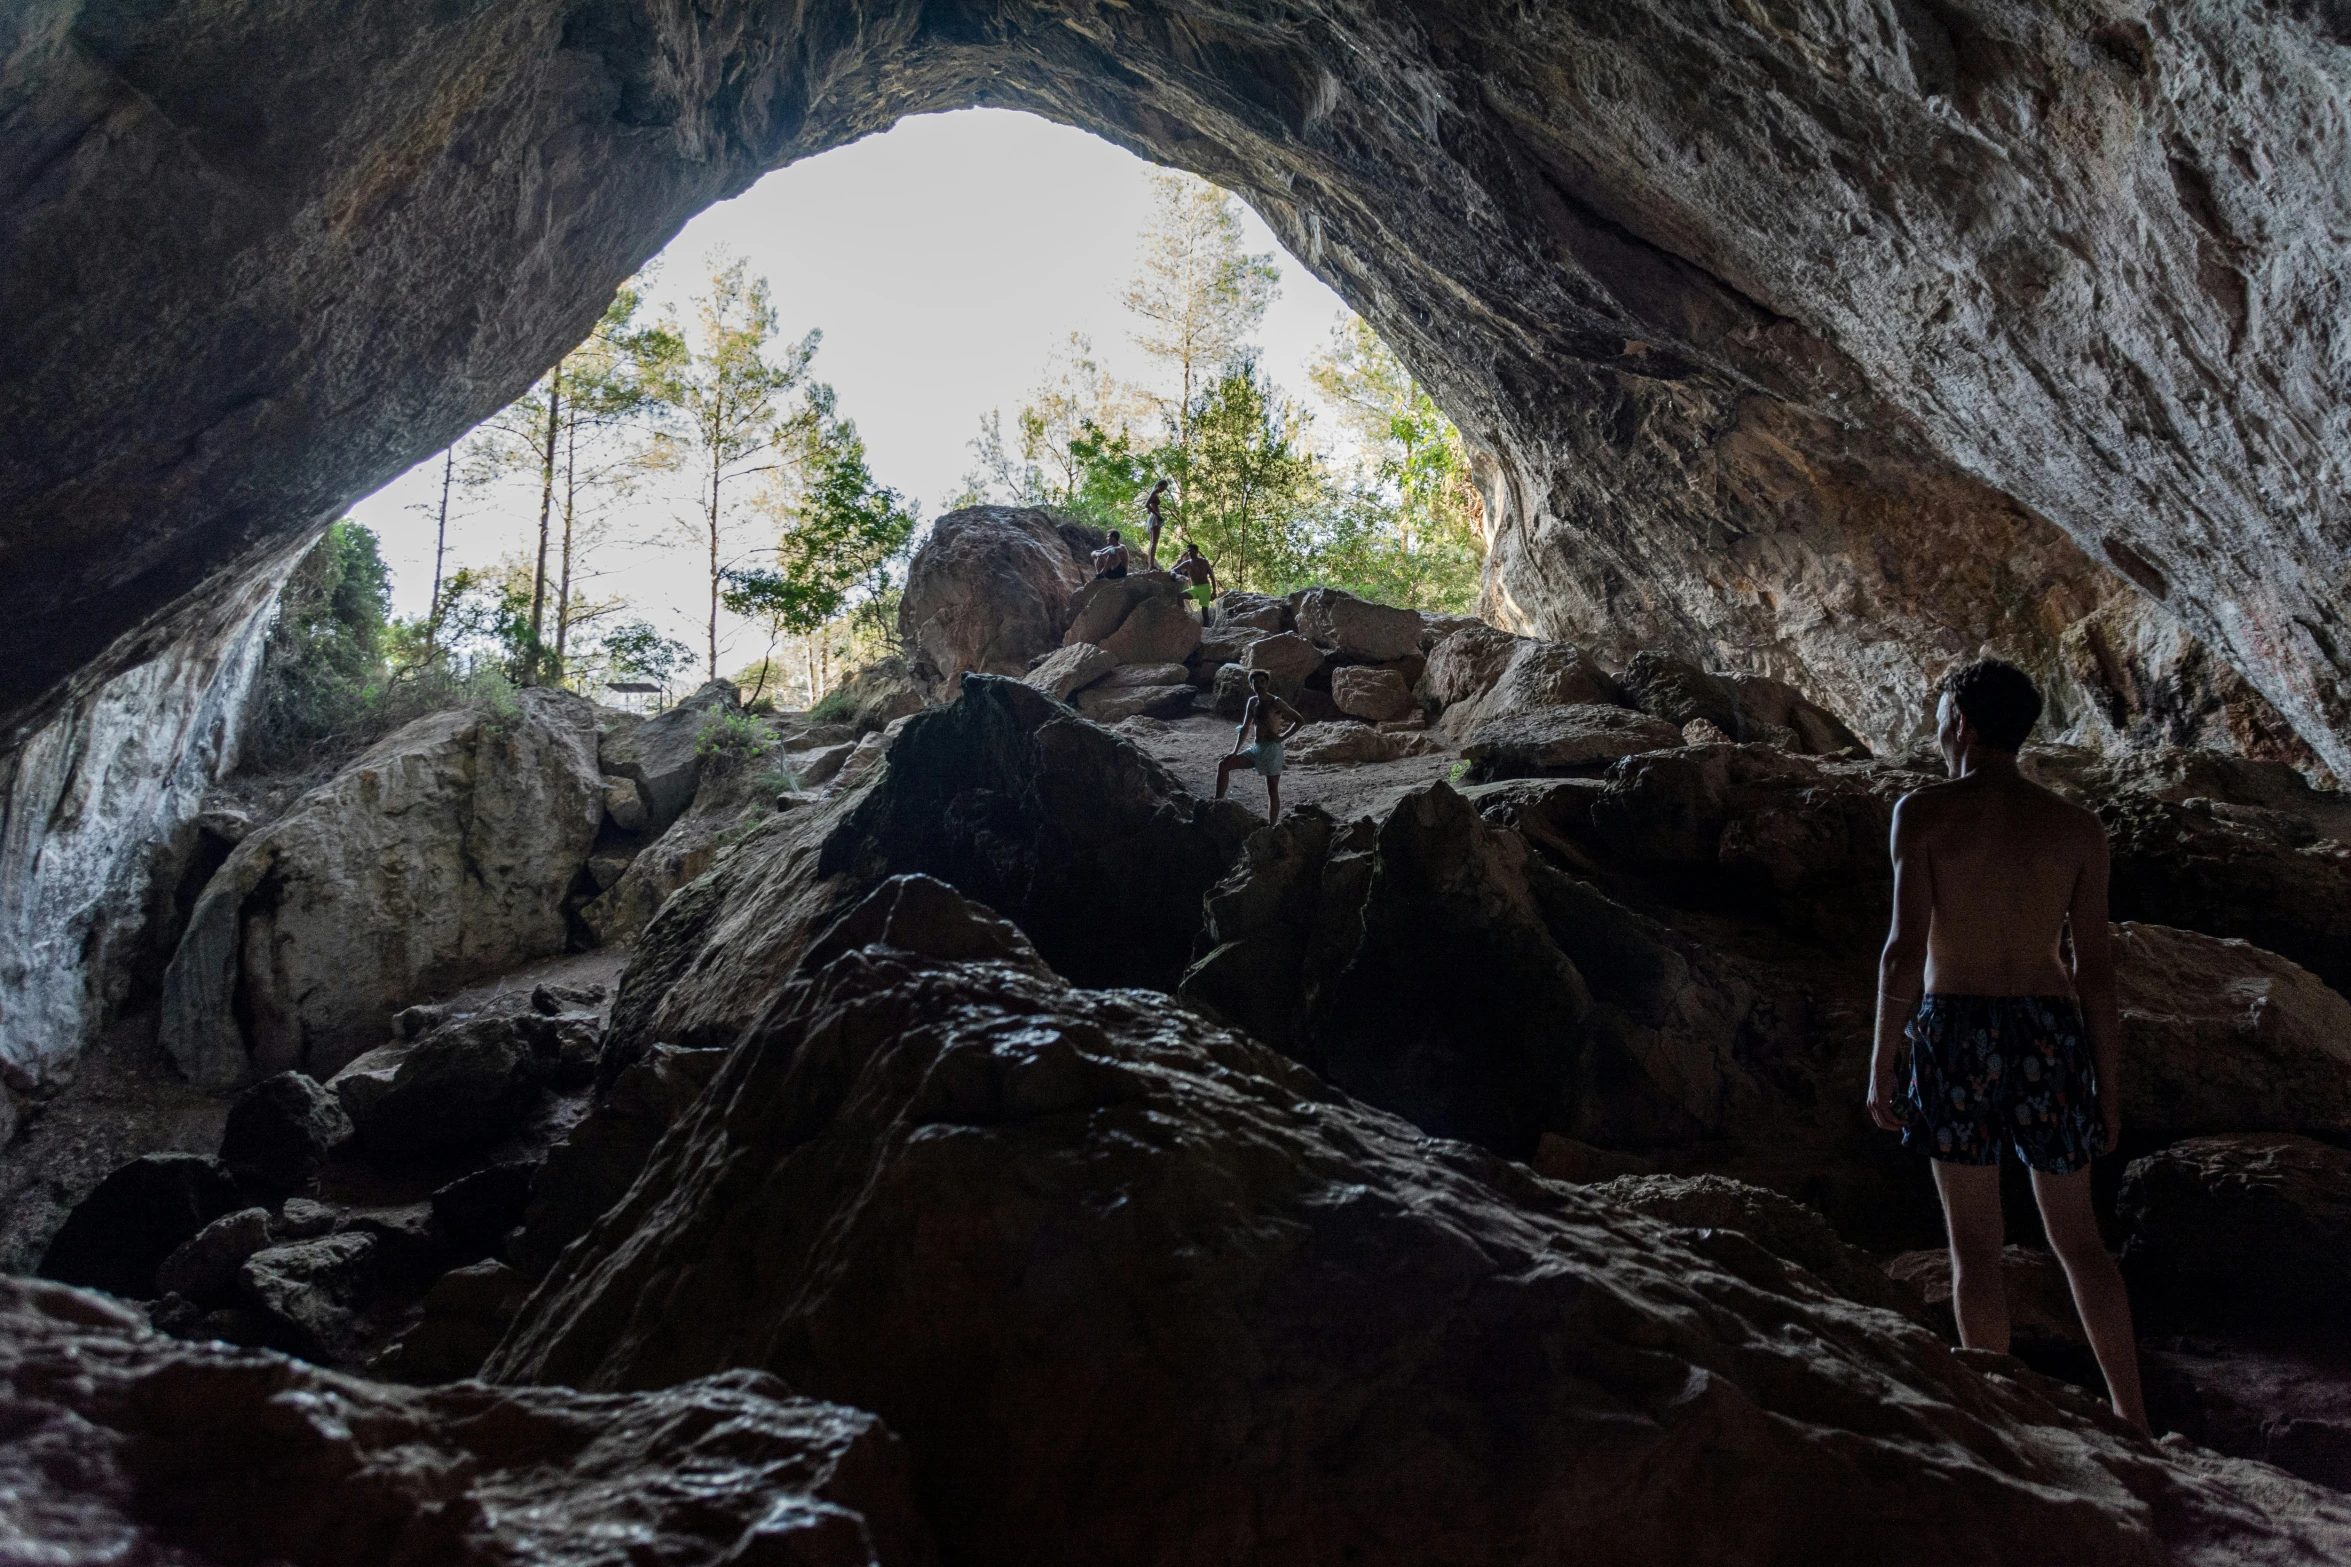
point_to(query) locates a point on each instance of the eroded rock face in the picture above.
(125, 1445)
(2241, 1229)
(980, 1204)
(444, 854)
(1686, 281)
(989, 590)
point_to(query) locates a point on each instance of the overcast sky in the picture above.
(943, 260)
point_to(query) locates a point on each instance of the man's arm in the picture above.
(2093, 980)
(1297, 719)
(1902, 965)
(1246, 728)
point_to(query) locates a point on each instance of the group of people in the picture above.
(1997, 1025)
(1193, 569)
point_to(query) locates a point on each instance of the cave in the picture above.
(1816, 348)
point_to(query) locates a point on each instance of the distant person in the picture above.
(2010, 1047)
(1198, 575)
(1151, 510)
(1111, 559)
(1264, 715)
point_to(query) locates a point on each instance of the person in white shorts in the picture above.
(1264, 716)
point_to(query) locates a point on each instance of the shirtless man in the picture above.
(2008, 1045)
(1198, 576)
(1111, 559)
(1264, 713)
(1151, 510)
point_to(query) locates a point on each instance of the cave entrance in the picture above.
(993, 308)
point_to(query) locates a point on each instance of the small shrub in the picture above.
(837, 706)
(727, 741)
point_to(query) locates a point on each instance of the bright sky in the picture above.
(943, 260)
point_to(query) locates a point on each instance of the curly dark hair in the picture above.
(1998, 698)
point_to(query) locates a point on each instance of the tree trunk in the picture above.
(714, 580)
(546, 516)
(571, 491)
(432, 624)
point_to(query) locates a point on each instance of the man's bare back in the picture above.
(2011, 1046)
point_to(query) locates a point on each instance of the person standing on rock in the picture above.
(2010, 1046)
(1264, 716)
(1111, 559)
(1151, 511)
(1198, 575)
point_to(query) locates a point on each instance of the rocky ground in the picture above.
(1475, 1154)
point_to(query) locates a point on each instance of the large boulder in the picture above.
(2220, 1036)
(1345, 626)
(463, 1084)
(989, 590)
(663, 756)
(1583, 736)
(304, 1296)
(280, 1132)
(443, 855)
(127, 1446)
(116, 1237)
(2241, 1229)
(1287, 659)
(1679, 692)
(1373, 694)
(1067, 670)
(1067, 828)
(1482, 674)
(1141, 618)
(1259, 612)
(1765, 703)
(1429, 965)
(1081, 1249)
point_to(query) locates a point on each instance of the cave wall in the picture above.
(94, 818)
(1832, 339)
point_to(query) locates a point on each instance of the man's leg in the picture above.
(2072, 1224)
(1971, 1216)
(1273, 799)
(1224, 771)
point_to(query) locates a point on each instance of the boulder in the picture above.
(1103, 604)
(663, 755)
(1105, 703)
(871, 696)
(1336, 744)
(445, 854)
(280, 1132)
(116, 1237)
(1777, 705)
(1250, 612)
(1582, 736)
(1162, 629)
(1225, 645)
(1780, 1225)
(1464, 666)
(1066, 670)
(305, 1295)
(1228, 690)
(203, 1266)
(1701, 731)
(1068, 1244)
(2042, 1322)
(624, 805)
(1287, 658)
(1132, 676)
(820, 765)
(1374, 695)
(2220, 1036)
(1678, 691)
(1072, 831)
(989, 590)
(2241, 1229)
(464, 1084)
(2285, 1401)
(1345, 626)
(461, 1319)
(128, 1446)
(1479, 673)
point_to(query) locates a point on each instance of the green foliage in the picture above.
(634, 650)
(1250, 490)
(326, 652)
(837, 706)
(727, 741)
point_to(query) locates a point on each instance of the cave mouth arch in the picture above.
(1794, 344)
(949, 262)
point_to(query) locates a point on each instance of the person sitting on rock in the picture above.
(1111, 559)
(1264, 715)
(1151, 511)
(1198, 575)
(2009, 1045)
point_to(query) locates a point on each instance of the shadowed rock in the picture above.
(1080, 1249)
(989, 590)
(115, 1237)
(127, 1446)
(2241, 1229)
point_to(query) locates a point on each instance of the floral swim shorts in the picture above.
(1991, 1071)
